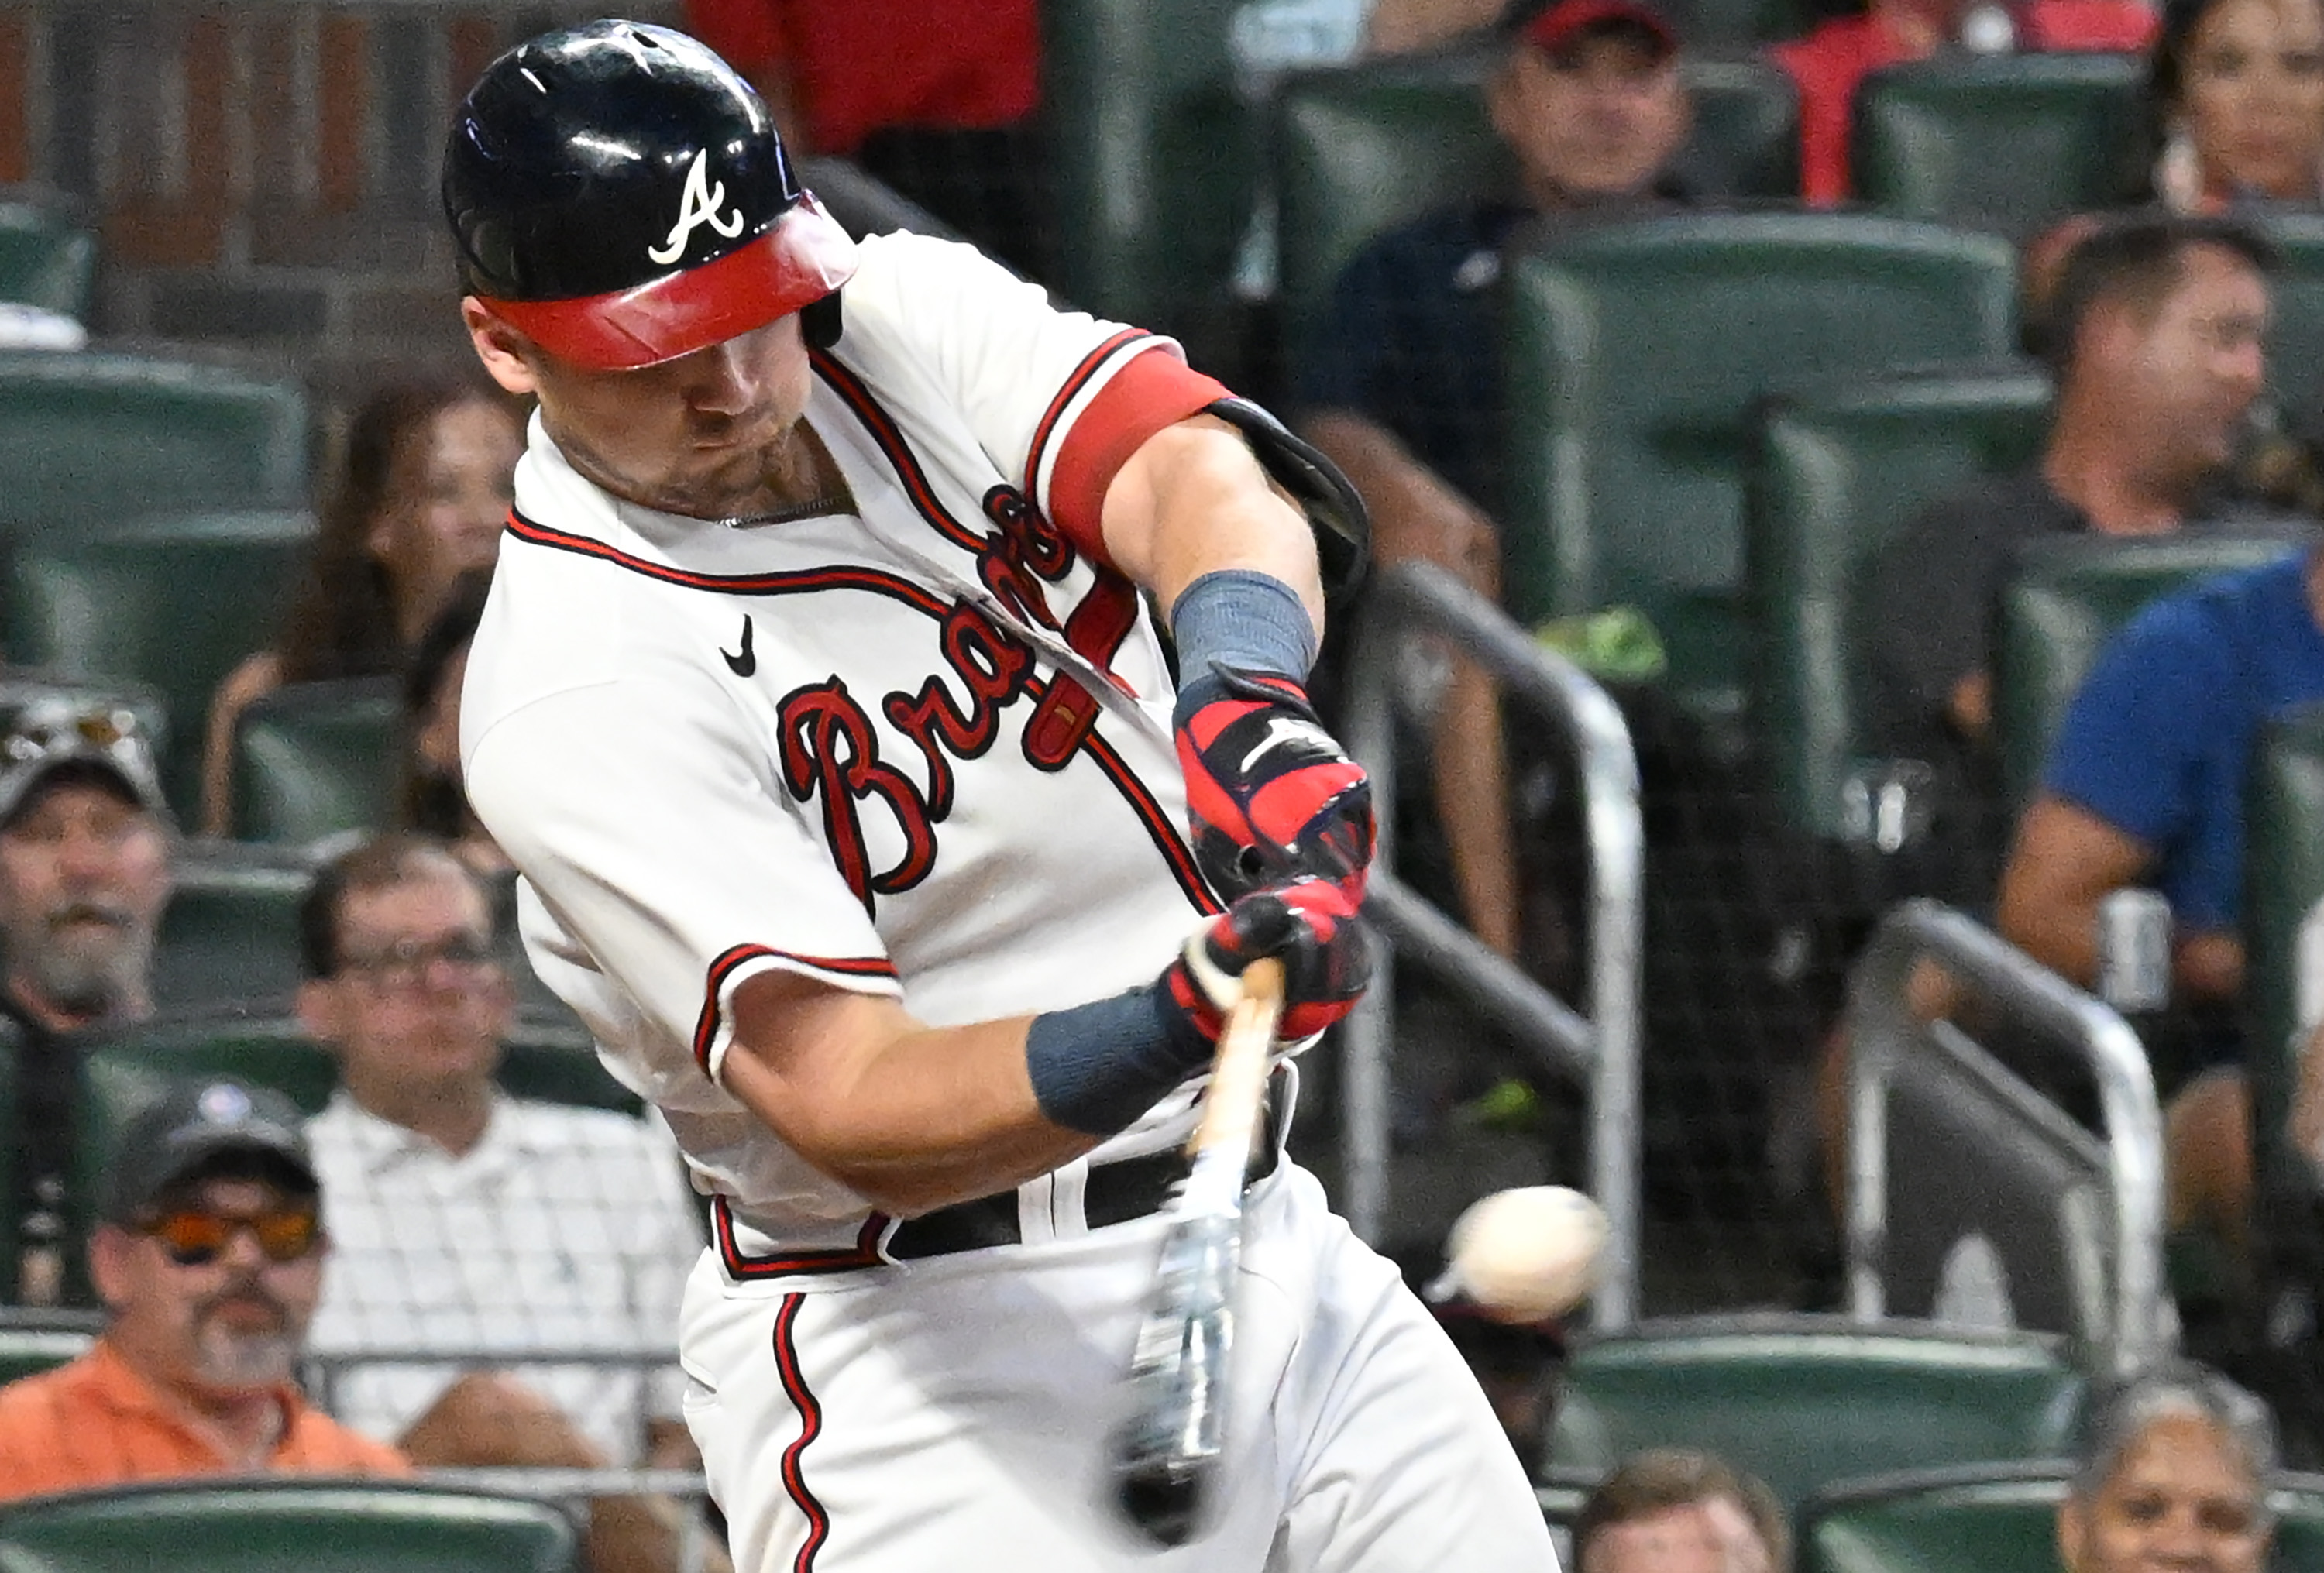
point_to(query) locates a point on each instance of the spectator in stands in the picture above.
(2144, 786)
(1833, 60)
(85, 855)
(935, 98)
(420, 498)
(2174, 1475)
(209, 1259)
(2235, 95)
(1675, 1510)
(431, 799)
(2153, 340)
(472, 1223)
(1402, 385)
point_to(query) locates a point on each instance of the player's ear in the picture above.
(500, 347)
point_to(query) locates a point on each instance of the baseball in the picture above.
(1529, 1253)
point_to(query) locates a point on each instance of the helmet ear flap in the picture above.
(819, 322)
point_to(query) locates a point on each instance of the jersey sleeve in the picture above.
(649, 831)
(1059, 400)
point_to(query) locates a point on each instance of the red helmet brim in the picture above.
(802, 257)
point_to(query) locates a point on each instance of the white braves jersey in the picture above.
(922, 750)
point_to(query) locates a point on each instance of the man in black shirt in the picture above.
(1401, 382)
(85, 856)
(2154, 339)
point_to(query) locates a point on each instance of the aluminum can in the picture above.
(2135, 949)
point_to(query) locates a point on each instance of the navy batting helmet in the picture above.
(618, 193)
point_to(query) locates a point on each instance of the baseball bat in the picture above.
(1167, 1451)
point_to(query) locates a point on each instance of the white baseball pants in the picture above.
(952, 1413)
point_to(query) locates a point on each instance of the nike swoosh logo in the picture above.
(744, 661)
(1281, 730)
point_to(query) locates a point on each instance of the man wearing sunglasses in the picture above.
(84, 869)
(208, 1256)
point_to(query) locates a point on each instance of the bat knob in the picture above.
(1162, 1499)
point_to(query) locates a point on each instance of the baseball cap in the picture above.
(1552, 26)
(194, 1124)
(51, 730)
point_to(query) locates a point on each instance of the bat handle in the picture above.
(1168, 1450)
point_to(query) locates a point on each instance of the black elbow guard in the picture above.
(1335, 509)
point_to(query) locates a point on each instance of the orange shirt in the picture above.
(95, 1421)
(1829, 63)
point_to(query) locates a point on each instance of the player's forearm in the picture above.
(914, 1119)
(1193, 500)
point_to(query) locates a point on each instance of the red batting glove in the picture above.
(1309, 925)
(1272, 796)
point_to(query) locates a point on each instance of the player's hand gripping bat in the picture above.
(1168, 1447)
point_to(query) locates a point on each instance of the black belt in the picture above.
(1113, 1193)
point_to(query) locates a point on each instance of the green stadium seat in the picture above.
(317, 759)
(2066, 599)
(286, 1525)
(31, 1348)
(1990, 1521)
(1359, 150)
(1803, 1402)
(1747, 128)
(551, 1063)
(2010, 143)
(1151, 156)
(91, 441)
(2295, 340)
(1637, 356)
(1728, 25)
(172, 603)
(1837, 474)
(2283, 881)
(46, 259)
(230, 933)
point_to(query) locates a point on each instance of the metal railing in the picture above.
(1882, 1023)
(1597, 1046)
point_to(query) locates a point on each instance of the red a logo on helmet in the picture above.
(698, 203)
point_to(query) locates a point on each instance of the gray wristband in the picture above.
(1245, 620)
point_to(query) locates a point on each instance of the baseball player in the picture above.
(819, 702)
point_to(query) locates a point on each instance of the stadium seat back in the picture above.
(29, 1350)
(2009, 143)
(230, 934)
(551, 1064)
(89, 441)
(1151, 156)
(173, 603)
(1802, 1402)
(1991, 1521)
(278, 1525)
(1359, 150)
(316, 760)
(1638, 355)
(46, 260)
(2284, 883)
(1746, 129)
(2066, 599)
(2295, 339)
(1839, 474)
